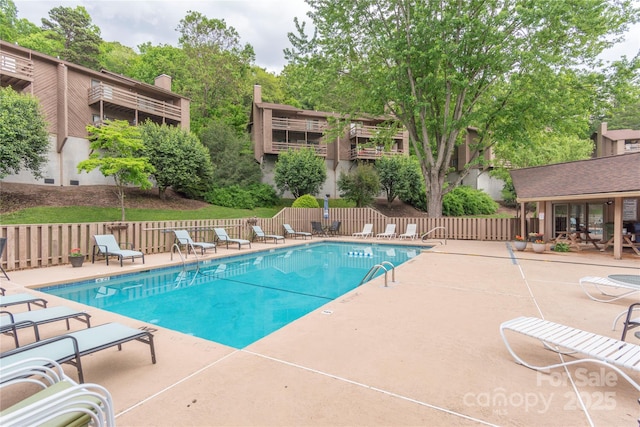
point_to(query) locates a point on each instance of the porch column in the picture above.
(523, 220)
(617, 228)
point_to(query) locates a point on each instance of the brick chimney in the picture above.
(163, 81)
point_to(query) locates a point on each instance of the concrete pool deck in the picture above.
(423, 351)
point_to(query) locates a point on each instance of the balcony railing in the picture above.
(364, 131)
(301, 125)
(15, 68)
(371, 153)
(279, 147)
(134, 101)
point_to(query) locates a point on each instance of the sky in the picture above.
(264, 24)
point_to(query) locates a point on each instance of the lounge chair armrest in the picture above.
(126, 245)
(14, 326)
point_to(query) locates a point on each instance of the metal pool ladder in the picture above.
(373, 270)
(184, 262)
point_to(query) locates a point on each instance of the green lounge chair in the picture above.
(13, 321)
(224, 237)
(107, 245)
(183, 238)
(70, 347)
(16, 299)
(291, 232)
(261, 235)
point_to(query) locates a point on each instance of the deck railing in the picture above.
(16, 66)
(43, 245)
(280, 147)
(301, 125)
(134, 101)
(372, 153)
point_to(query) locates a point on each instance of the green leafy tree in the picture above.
(300, 172)
(23, 134)
(8, 20)
(117, 58)
(117, 150)
(360, 186)
(218, 66)
(79, 37)
(440, 67)
(620, 93)
(231, 155)
(161, 59)
(399, 176)
(179, 159)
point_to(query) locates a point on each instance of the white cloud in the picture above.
(263, 24)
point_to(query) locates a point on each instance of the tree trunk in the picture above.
(434, 199)
(121, 197)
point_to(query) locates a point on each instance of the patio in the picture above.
(423, 351)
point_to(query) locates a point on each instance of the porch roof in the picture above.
(600, 178)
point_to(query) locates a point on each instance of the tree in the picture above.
(218, 67)
(360, 186)
(400, 177)
(23, 132)
(231, 155)
(8, 19)
(117, 58)
(79, 37)
(116, 149)
(300, 172)
(179, 159)
(438, 65)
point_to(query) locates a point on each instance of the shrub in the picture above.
(465, 200)
(561, 247)
(264, 195)
(231, 197)
(306, 201)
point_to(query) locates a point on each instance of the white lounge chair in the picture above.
(69, 348)
(410, 233)
(291, 232)
(14, 321)
(610, 352)
(367, 231)
(60, 401)
(389, 232)
(261, 235)
(107, 245)
(224, 237)
(183, 238)
(25, 298)
(598, 282)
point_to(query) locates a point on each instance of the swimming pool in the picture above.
(238, 300)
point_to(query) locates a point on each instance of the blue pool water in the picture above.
(238, 300)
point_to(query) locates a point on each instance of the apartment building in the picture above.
(276, 128)
(73, 97)
(615, 142)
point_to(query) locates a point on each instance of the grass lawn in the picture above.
(75, 214)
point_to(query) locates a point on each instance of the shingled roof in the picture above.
(604, 177)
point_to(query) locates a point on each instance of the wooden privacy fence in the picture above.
(42, 245)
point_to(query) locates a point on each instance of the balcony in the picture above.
(299, 125)
(130, 101)
(371, 153)
(363, 131)
(280, 147)
(15, 71)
